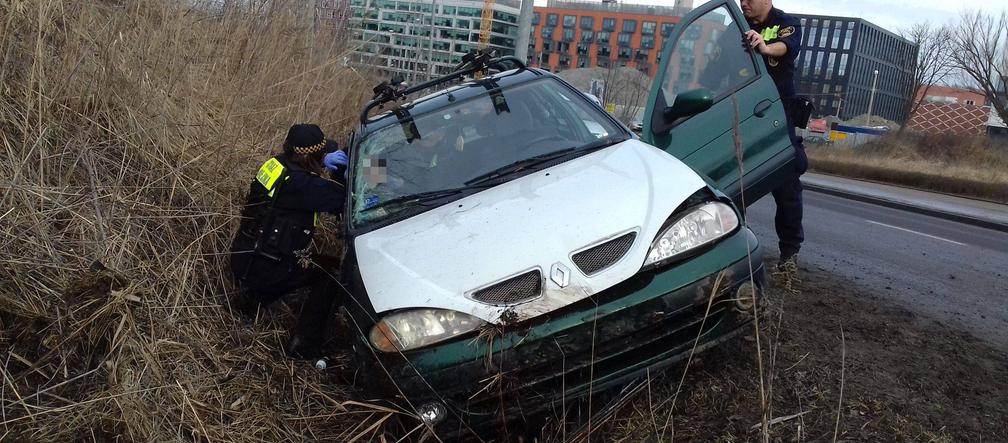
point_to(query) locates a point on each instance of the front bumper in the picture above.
(643, 324)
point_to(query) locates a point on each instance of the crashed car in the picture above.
(512, 246)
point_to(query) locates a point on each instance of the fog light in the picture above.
(432, 413)
(746, 296)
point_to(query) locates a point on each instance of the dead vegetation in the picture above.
(130, 130)
(968, 166)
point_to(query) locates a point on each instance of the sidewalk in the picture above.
(965, 210)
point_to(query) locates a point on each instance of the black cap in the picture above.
(304, 139)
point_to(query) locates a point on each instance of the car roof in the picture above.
(467, 89)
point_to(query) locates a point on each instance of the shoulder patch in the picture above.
(269, 173)
(786, 32)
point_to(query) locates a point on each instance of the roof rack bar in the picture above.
(385, 93)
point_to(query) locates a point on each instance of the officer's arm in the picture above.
(776, 49)
(309, 192)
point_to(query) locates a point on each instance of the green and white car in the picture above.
(511, 246)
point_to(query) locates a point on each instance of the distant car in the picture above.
(511, 245)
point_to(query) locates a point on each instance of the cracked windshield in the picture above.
(474, 144)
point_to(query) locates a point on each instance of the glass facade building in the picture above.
(424, 38)
(836, 68)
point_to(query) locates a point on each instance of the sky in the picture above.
(890, 14)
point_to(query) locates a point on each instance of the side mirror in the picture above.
(689, 103)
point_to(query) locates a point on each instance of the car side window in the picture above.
(709, 54)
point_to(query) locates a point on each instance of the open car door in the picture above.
(710, 86)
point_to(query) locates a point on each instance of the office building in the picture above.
(585, 34)
(424, 38)
(838, 63)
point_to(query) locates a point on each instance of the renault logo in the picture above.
(560, 275)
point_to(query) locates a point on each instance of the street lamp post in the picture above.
(871, 101)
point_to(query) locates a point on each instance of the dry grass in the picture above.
(130, 130)
(969, 166)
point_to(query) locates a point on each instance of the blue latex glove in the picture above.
(334, 160)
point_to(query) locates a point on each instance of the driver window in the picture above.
(709, 54)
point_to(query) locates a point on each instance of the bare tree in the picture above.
(979, 50)
(934, 62)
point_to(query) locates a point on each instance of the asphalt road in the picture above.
(953, 273)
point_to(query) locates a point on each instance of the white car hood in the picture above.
(433, 260)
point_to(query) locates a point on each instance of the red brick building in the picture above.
(951, 111)
(581, 34)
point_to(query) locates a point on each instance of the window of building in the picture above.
(582, 49)
(823, 33)
(811, 37)
(609, 24)
(587, 22)
(830, 65)
(547, 33)
(552, 19)
(842, 69)
(570, 21)
(623, 39)
(666, 29)
(647, 42)
(547, 45)
(535, 18)
(603, 37)
(587, 36)
(625, 52)
(568, 35)
(629, 26)
(604, 51)
(648, 28)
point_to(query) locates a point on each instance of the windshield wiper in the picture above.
(520, 165)
(423, 197)
(545, 158)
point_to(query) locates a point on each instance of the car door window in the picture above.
(709, 54)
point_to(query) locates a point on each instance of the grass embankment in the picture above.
(130, 130)
(968, 166)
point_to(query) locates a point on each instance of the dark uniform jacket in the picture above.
(782, 27)
(278, 221)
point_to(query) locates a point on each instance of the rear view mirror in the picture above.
(689, 103)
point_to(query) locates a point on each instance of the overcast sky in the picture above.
(890, 14)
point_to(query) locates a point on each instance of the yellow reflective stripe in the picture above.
(770, 33)
(269, 173)
(318, 220)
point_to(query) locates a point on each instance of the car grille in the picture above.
(597, 258)
(517, 289)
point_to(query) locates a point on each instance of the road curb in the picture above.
(961, 218)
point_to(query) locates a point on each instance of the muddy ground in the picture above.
(903, 378)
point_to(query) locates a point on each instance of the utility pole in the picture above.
(871, 101)
(524, 30)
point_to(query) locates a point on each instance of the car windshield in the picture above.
(473, 144)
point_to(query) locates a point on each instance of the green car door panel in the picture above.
(706, 51)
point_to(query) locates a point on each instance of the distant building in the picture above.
(423, 38)
(946, 110)
(837, 67)
(570, 34)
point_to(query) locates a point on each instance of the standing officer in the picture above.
(271, 253)
(777, 37)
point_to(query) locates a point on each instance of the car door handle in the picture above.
(761, 108)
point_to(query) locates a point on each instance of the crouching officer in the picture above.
(271, 253)
(777, 37)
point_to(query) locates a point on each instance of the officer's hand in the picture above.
(334, 160)
(756, 41)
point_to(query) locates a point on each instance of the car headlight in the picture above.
(700, 226)
(417, 328)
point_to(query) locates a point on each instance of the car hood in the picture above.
(438, 258)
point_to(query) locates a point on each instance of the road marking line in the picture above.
(915, 232)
